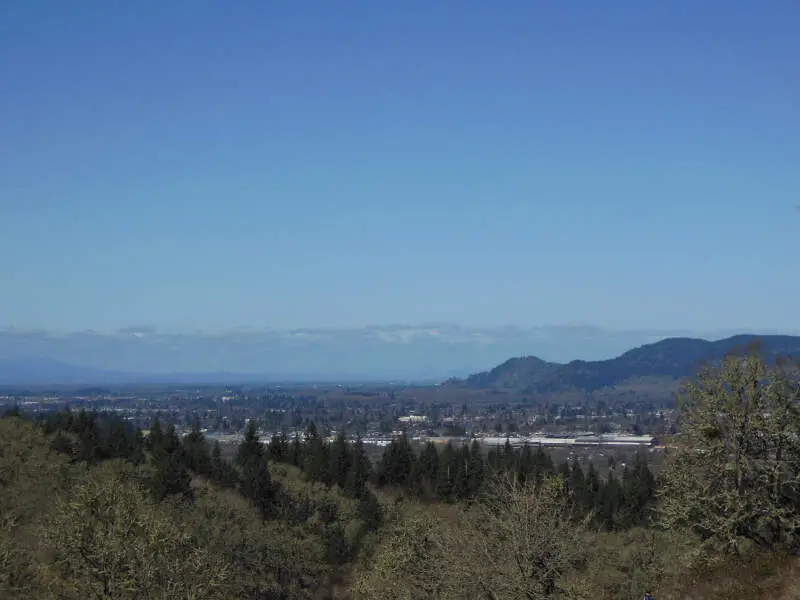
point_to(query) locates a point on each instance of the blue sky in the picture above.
(300, 164)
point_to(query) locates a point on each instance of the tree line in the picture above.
(450, 474)
(459, 474)
(172, 461)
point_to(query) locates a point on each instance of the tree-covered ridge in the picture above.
(672, 358)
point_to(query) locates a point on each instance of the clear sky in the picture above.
(198, 164)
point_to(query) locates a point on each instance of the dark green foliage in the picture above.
(476, 472)
(315, 456)
(359, 472)
(155, 436)
(222, 472)
(278, 448)
(577, 485)
(255, 481)
(92, 438)
(370, 511)
(608, 503)
(461, 474)
(11, 412)
(638, 493)
(170, 476)
(591, 489)
(445, 479)
(296, 452)
(427, 471)
(196, 452)
(397, 464)
(339, 461)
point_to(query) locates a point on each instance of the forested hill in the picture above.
(671, 359)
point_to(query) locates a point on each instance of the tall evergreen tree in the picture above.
(315, 459)
(543, 465)
(461, 478)
(527, 464)
(638, 492)
(296, 455)
(477, 469)
(427, 469)
(197, 452)
(446, 475)
(577, 487)
(170, 476)
(154, 437)
(340, 461)
(255, 482)
(222, 472)
(359, 473)
(278, 448)
(250, 449)
(591, 489)
(397, 463)
(216, 462)
(609, 501)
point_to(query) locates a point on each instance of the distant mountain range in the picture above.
(669, 359)
(424, 354)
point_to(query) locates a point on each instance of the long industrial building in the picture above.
(630, 441)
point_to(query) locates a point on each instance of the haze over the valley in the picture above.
(424, 352)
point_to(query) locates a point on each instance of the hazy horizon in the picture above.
(419, 353)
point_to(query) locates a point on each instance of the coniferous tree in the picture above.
(565, 473)
(196, 451)
(315, 459)
(119, 440)
(609, 501)
(278, 448)
(155, 435)
(255, 482)
(446, 474)
(591, 489)
(577, 487)
(217, 466)
(359, 472)
(428, 469)
(86, 429)
(527, 464)
(296, 455)
(250, 449)
(638, 492)
(477, 469)
(170, 476)
(397, 463)
(370, 511)
(493, 459)
(461, 477)
(138, 457)
(508, 457)
(543, 465)
(340, 461)
(222, 472)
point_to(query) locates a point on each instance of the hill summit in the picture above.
(671, 359)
